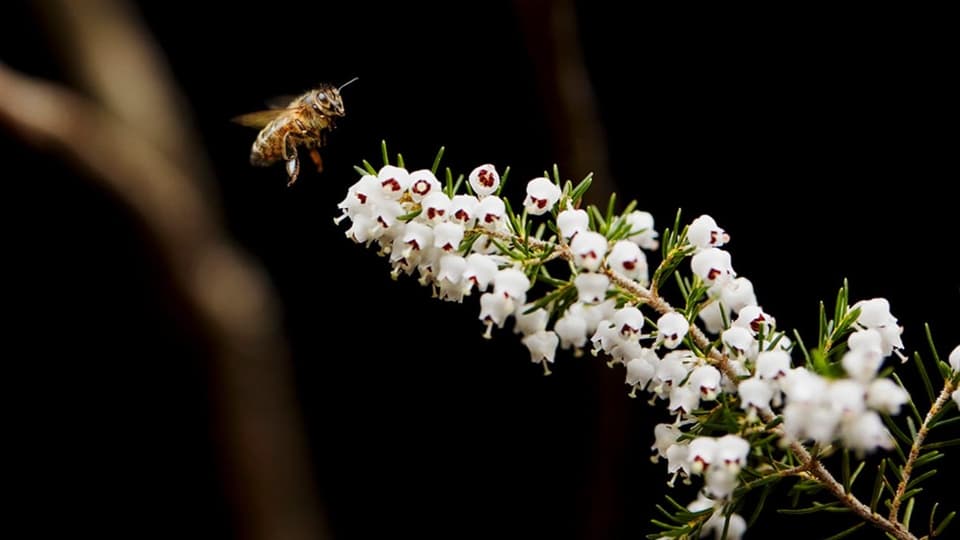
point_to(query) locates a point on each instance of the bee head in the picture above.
(326, 100)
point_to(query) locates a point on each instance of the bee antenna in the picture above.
(351, 81)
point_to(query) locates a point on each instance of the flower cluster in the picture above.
(729, 387)
(422, 228)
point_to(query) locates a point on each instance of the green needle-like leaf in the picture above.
(384, 153)
(920, 478)
(845, 469)
(576, 194)
(458, 182)
(943, 524)
(436, 160)
(878, 485)
(933, 349)
(927, 458)
(941, 444)
(945, 422)
(759, 506)
(803, 348)
(503, 180)
(927, 384)
(847, 532)
(833, 507)
(908, 513)
(448, 182)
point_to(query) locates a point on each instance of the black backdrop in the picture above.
(819, 140)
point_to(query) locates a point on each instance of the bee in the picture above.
(304, 120)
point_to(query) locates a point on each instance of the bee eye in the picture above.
(321, 96)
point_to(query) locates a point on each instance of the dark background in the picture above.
(820, 141)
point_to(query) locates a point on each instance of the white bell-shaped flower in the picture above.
(865, 432)
(449, 277)
(435, 207)
(706, 381)
(511, 282)
(875, 314)
(447, 236)
(572, 330)
(705, 233)
(868, 340)
(542, 195)
(755, 393)
(755, 319)
(803, 385)
(385, 213)
(702, 453)
(479, 272)
(625, 257)
(886, 396)
(641, 369)
(642, 232)
(739, 340)
(594, 313)
(484, 180)
(671, 370)
(732, 451)
(738, 294)
(588, 249)
(591, 288)
(361, 195)
(955, 358)
(605, 338)
(530, 323)
(713, 266)
(805, 420)
(362, 228)
(393, 181)
(542, 346)
(494, 310)
(671, 329)
(463, 210)
(628, 321)
(422, 183)
(683, 400)
(491, 212)
(846, 396)
(570, 222)
(712, 316)
(665, 436)
(773, 365)
(417, 236)
(678, 460)
(719, 482)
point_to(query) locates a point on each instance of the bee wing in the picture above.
(258, 119)
(280, 102)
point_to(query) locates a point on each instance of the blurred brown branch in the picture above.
(579, 140)
(154, 168)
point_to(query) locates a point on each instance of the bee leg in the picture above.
(286, 148)
(317, 160)
(289, 152)
(293, 169)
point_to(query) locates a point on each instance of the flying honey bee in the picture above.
(302, 120)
